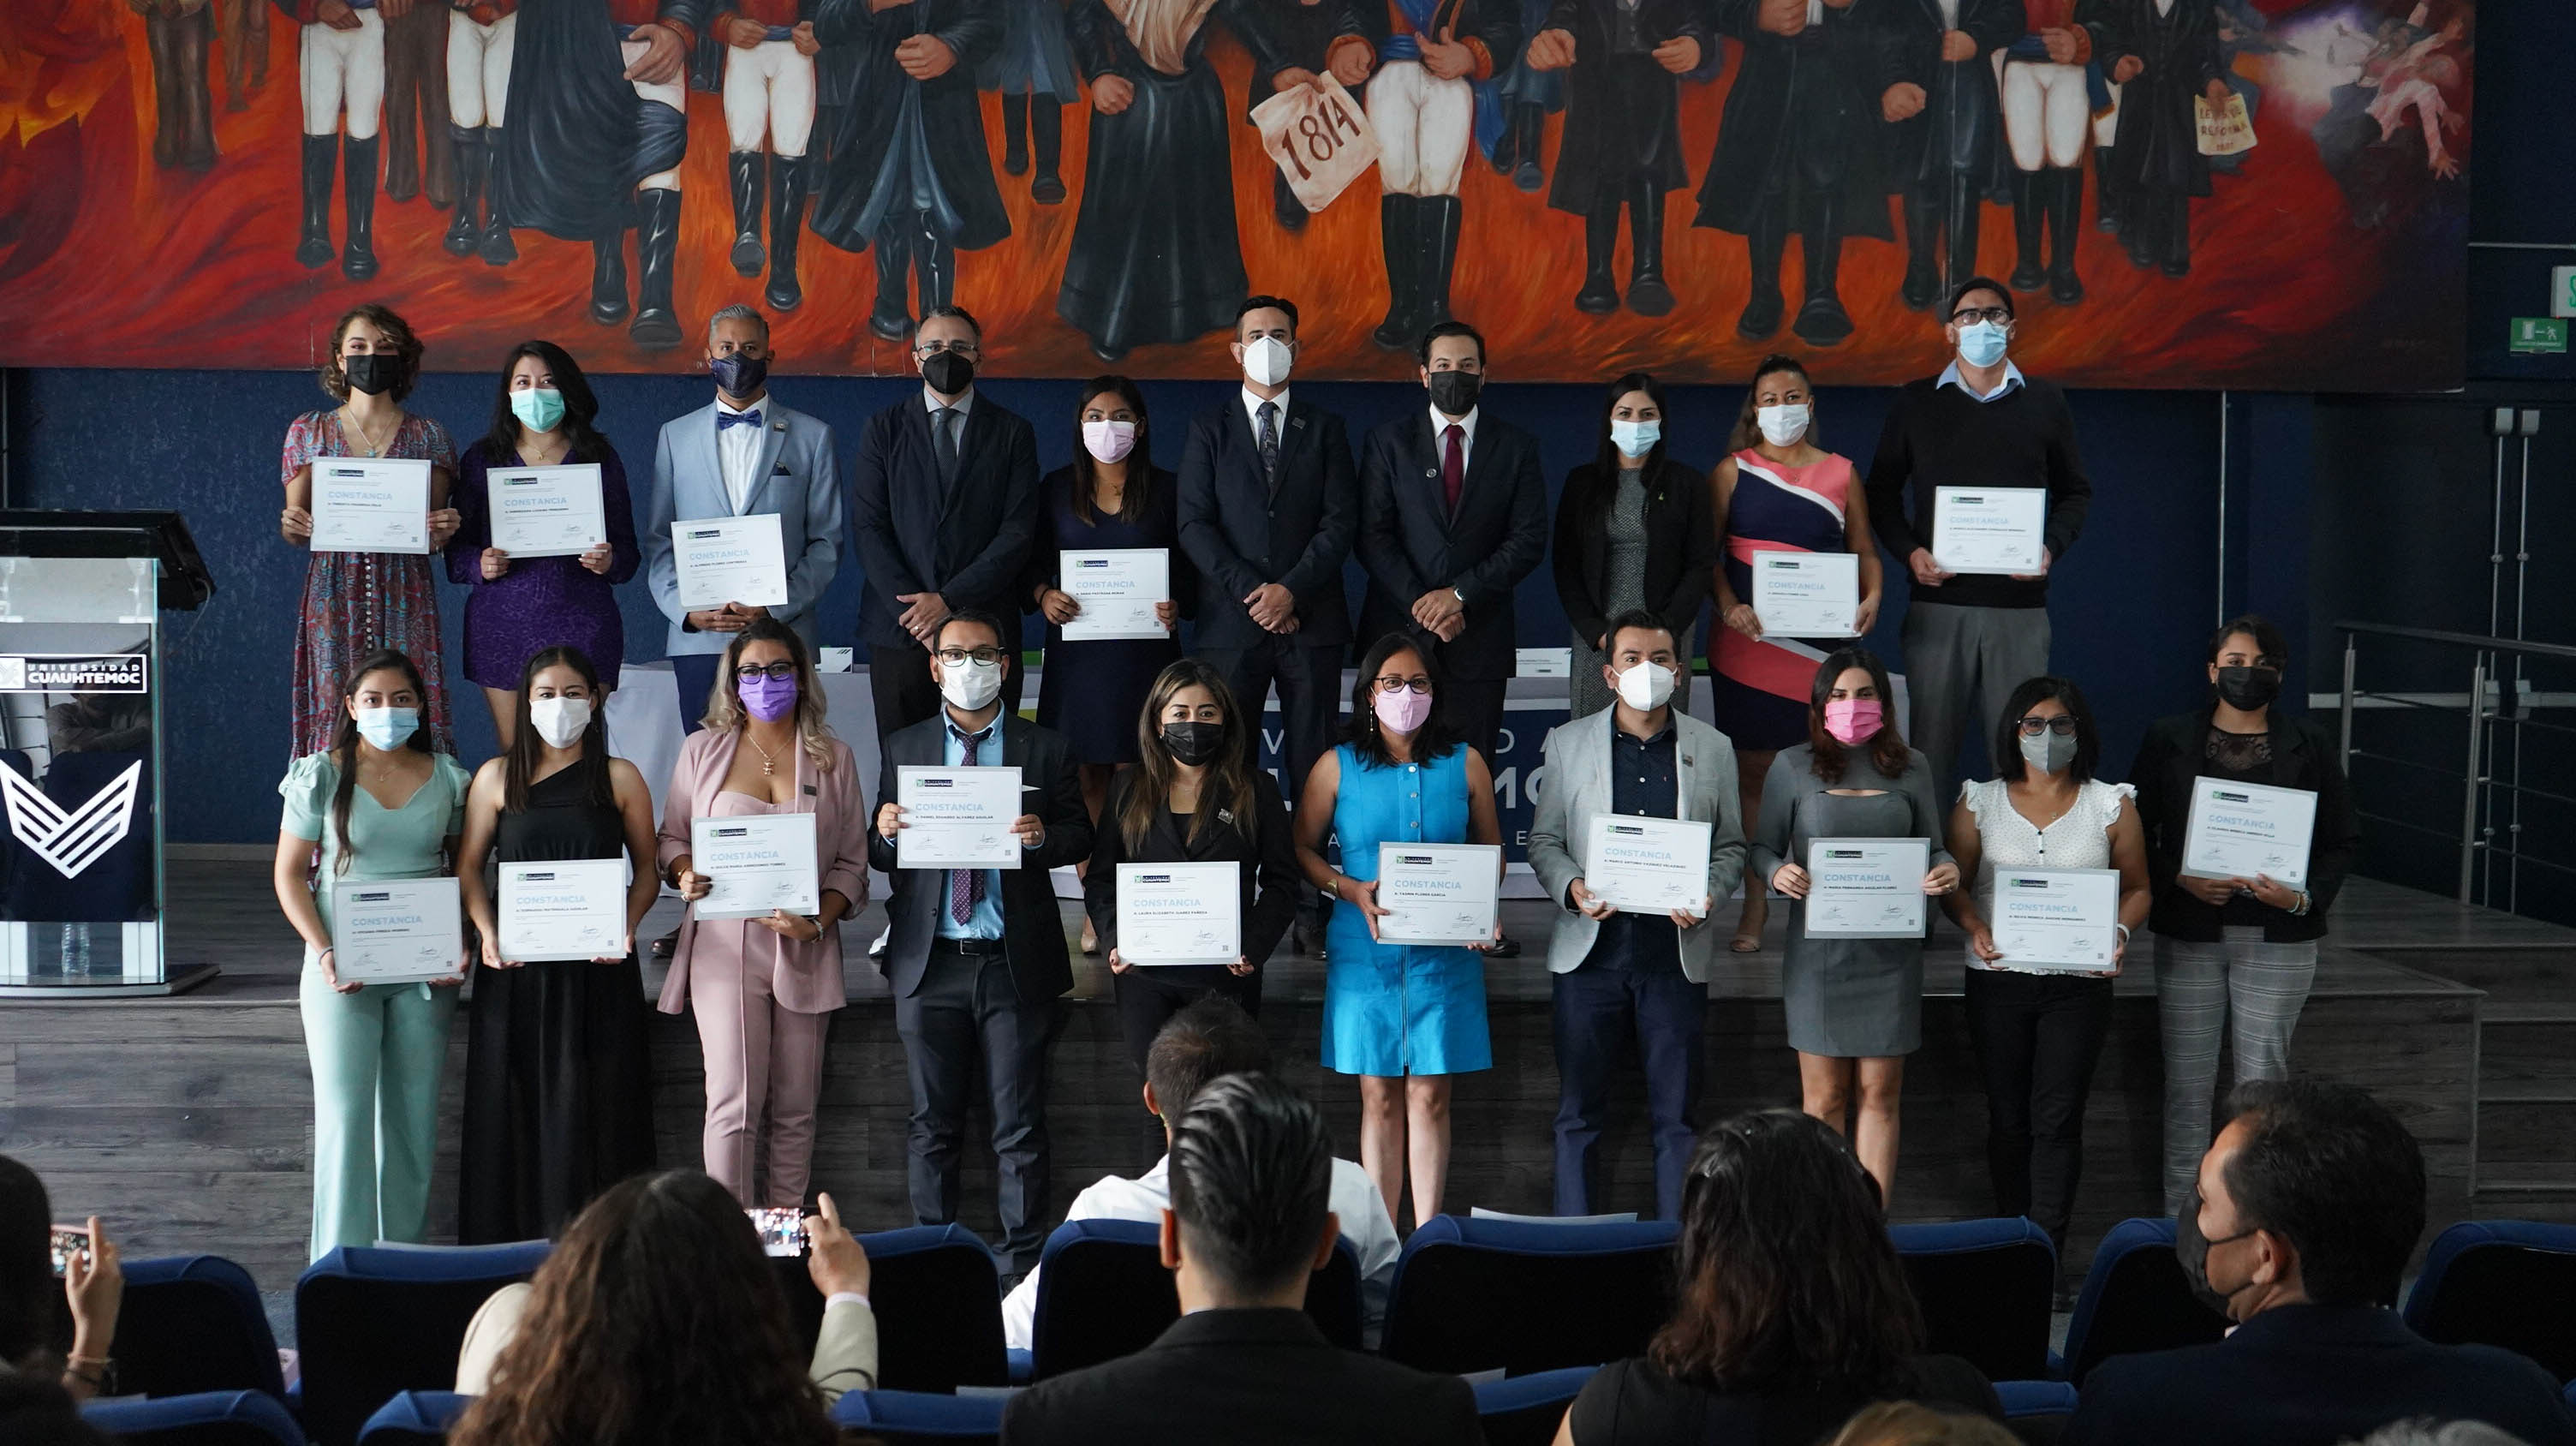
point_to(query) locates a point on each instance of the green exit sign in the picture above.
(2533, 335)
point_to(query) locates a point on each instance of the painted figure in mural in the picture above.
(1949, 144)
(1155, 256)
(2243, 30)
(341, 64)
(417, 156)
(1427, 58)
(481, 37)
(1528, 95)
(1292, 42)
(2048, 115)
(177, 32)
(909, 173)
(1623, 136)
(1798, 149)
(597, 104)
(243, 27)
(1034, 72)
(768, 84)
(2164, 55)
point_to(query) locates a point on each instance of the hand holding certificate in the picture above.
(957, 818)
(1120, 593)
(1866, 888)
(397, 931)
(755, 865)
(1807, 594)
(370, 504)
(730, 560)
(1993, 530)
(1642, 865)
(2057, 920)
(574, 909)
(2249, 831)
(1437, 893)
(547, 511)
(1180, 913)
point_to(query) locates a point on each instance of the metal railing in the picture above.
(2488, 802)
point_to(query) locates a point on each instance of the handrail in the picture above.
(2464, 640)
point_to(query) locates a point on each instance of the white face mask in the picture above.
(560, 721)
(1782, 426)
(1267, 360)
(1646, 687)
(1635, 439)
(970, 686)
(1109, 441)
(387, 728)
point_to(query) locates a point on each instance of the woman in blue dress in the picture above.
(1403, 1017)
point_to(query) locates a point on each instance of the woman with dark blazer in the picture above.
(1632, 531)
(1194, 797)
(2238, 952)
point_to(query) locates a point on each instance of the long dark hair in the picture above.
(661, 1271)
(1140, 461)
(406, 343)
(1788, 1278)
(28, 1289)
(1229, 781)
(1887, 749)
(527, 749)
(1595, 489)
(2088, 739)
(344, 741)
(1435, 738)
(581, 406)
(1748, 424)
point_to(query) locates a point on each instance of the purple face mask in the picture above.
(768, 698)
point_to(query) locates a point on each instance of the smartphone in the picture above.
(69, 1240)
(782, 1230)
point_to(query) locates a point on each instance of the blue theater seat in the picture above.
(1526, 1410)
(372, 1322)
(414, 1418)
(2509, 1283)
(1986, 1289)
(208, 1418)
(937, 1293)
(2135, 1299)
(1103, 1293)
(902, 1418)
(192, 1324)
(1472, 1295)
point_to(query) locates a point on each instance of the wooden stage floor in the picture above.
(186, 1123)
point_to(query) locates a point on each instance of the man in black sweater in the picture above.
(1971, 638)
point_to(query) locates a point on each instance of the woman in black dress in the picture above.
(1110, 496)
(558, 1099)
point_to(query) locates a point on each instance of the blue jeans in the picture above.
(1597, 1011)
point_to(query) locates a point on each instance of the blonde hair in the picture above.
(1904, 1423)
(725, 712)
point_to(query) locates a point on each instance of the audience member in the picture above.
(2425, 1433)
(1904, 1423)
(36, 1412)
(92, 1286)
(1252, 1185)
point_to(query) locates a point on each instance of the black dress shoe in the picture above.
(1506, 947)
(664, 947)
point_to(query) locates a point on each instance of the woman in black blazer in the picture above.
(1632, 531)
(1193, 798)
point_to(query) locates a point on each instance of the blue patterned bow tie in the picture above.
(738, 419)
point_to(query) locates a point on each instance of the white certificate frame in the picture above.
(933, 845)
(1216, 938)
(1126, 611)
(369, 944)
(1817, 575)
(366, 504)
(746, 890)
(525, 522)
(2209, 841)
(603, 923)
(2034, 942)
(1461, 916)
(1636, 884)
(1984, 553)
(723, 560)
(1839, 911)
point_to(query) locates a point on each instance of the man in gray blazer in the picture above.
(1622, 974)
(741, 454)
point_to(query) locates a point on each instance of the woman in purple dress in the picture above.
(1112, 496)
(545, 416)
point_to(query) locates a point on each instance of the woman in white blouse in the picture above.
(2039, 1031)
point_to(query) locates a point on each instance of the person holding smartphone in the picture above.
(93, 1286)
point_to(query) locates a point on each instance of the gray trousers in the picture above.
(2200, 990)
(1961, 666)
(968, 1009)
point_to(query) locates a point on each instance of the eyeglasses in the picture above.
(1968, 315)
(775, 672)
(960, 657)
(2063, 725)
(934, 348)
(1393, 684)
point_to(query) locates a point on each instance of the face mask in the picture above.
(1635, 439)
(388, 728)
(1402, 711)
(539, 408)
(1981, 343)
(1782, 426)
(1192, 743)
(1268, 360)
(1854, 721)
(374, 373)
(2191, 1251)
(738, 375)
(1646, 686)
(1109, 441)
(948, 373)
(768, 698)
(2048, 753)
(2249, 690)
(1454, 393)
(560, 721)
(971, 686)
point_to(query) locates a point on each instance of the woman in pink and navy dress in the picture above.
(1777, 491)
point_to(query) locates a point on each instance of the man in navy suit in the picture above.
(1268, 507)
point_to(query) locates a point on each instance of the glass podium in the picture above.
(82, 889)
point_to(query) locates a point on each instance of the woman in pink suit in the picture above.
(764, 988)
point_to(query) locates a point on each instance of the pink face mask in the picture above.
(1854, 721)
(1109, 441)
(1402, 711)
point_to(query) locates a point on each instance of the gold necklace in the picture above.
(768, 763)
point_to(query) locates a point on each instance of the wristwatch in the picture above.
(1460, 596)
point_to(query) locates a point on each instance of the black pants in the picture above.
(1475, 709)
(2038, 1037)
(1309, 677)
(695, 676)
(1597, 1012)
(967, 1006)
(900, 685)
(1149, 997)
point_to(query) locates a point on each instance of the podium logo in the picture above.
(72, 841)
(71, 673)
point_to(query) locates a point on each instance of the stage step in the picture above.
(2528, 1127)
(2518, 974)
(2526, 1192)
(2525, 1047)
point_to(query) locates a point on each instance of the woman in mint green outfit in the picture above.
(378, 805)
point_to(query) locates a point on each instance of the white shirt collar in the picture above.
(1950, 377)
(724, 406)
(1252, 408)
(1441, 422)
(931, 403)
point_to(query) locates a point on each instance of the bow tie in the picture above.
(738, 419)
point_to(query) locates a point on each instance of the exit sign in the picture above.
(2538, 334)
(2562, 291)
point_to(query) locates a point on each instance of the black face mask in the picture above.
(374, 373)
(947, 372)
(2191, 1251)
(1193, 744)
(738, 375)
(1454, 393)
(2249, 690)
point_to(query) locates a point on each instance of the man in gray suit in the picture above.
(1620, 974)
(740, 455)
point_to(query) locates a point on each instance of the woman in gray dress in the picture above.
(1855, 1006)
(1633, 530)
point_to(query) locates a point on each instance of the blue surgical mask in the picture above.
(538, 408)
(1982, 343)
(387, 728)
(1635, 439)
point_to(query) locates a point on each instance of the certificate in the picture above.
(1180, 913)
(1806, 594)
(957, 818)
(1644, 865)
(1988, 529)
(2239, 830)
(730, 559)
(1437, 893)
(546, 511)
(1866, 888)
(573, 909)
(1118, 590)
(756, 863)
(2057, 919)
(395, 931)
(370, 504)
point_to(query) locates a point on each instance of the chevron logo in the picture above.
(73, 841)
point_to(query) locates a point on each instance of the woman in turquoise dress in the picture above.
(379, 804)
(1403, 1017)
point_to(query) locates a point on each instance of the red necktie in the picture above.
(1453, 465)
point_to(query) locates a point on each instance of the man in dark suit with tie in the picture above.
(1268, 507)
(943, 515)
(1251, 1172)
(976, 957)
